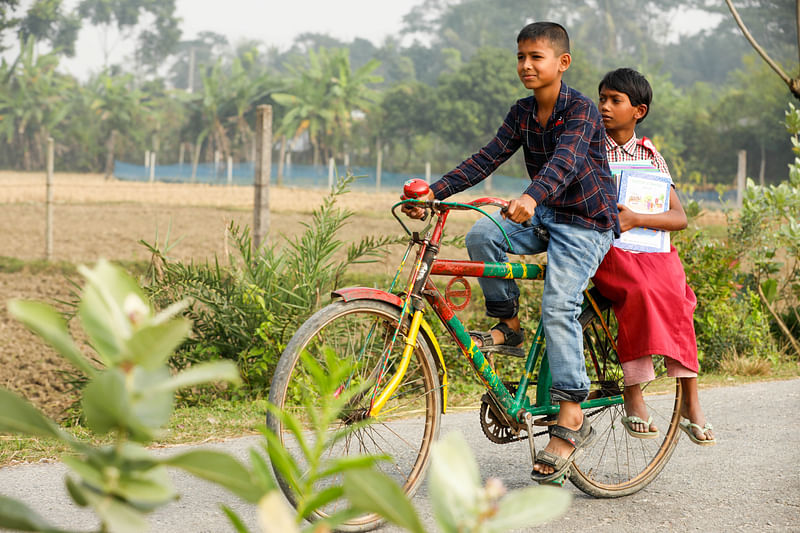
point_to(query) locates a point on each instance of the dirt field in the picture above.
(94, 218)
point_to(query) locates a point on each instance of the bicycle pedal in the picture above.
(502, 349)
(559, 481)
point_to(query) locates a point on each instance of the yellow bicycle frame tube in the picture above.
(405, 360)
(432, 338)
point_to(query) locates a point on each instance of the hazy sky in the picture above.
(273, 22)
(277, 23)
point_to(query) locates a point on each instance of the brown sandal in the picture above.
(511, 345)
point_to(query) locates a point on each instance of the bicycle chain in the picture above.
(498, 430)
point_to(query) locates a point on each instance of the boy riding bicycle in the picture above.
(572, 195)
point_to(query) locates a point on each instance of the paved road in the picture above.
(750, 481)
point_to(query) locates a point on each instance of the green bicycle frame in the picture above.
(515, 405)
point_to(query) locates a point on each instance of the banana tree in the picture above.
(118, 105)
(244, 90)
(322, 97)
(351, 93)
(308, 101)
(210, 111)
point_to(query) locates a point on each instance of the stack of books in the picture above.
(643, 189)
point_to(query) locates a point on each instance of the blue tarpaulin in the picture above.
(316, 176)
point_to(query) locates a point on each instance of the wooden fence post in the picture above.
(331, 165)
(195, 160)
(112, 139)
(230, 170)
(281, 156)
(152, 166)
(48, 238)
(379, 163)
(428, 172)
(263, 167)
(741, 172)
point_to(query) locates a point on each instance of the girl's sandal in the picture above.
(687, 425)
(628, 422)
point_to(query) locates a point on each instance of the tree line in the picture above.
(434, 92)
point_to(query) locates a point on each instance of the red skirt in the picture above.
(653, 303)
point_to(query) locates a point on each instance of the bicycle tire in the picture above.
(413, 412)
(617, 464)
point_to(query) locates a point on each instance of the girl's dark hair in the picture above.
(630, 82)
(553, 32)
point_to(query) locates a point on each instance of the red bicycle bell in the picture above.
(415, 188)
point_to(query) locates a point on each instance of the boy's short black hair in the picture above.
(630, 82)
(553, 32)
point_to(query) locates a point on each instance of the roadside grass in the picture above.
(13, 265)
(218, 421)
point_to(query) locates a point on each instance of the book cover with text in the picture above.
(644, 191)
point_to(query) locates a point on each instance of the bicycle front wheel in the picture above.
(616, 463)
(359, 333)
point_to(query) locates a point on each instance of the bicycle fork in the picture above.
(411, 341)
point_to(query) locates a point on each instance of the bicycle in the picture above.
(405, 393)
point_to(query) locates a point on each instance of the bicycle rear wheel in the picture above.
(359, 332)
(616, 463)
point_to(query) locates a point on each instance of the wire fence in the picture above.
(321, 176)
(294, 175)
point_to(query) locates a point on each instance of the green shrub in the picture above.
(748, 286)
(246, 310)
(734, 327)
(767, 236)
(730, 319)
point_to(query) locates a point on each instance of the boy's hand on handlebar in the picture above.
(415, 211)
(520, 209)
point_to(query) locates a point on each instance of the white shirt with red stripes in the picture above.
(635, 150)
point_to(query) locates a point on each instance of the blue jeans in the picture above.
(573, 255)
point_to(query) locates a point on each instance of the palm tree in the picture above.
(32, 103)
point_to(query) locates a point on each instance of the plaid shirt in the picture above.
(635, 150)
(566, 161)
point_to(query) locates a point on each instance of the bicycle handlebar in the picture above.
(474, 204)
(415, 189)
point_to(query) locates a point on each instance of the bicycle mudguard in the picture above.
(368, 293)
